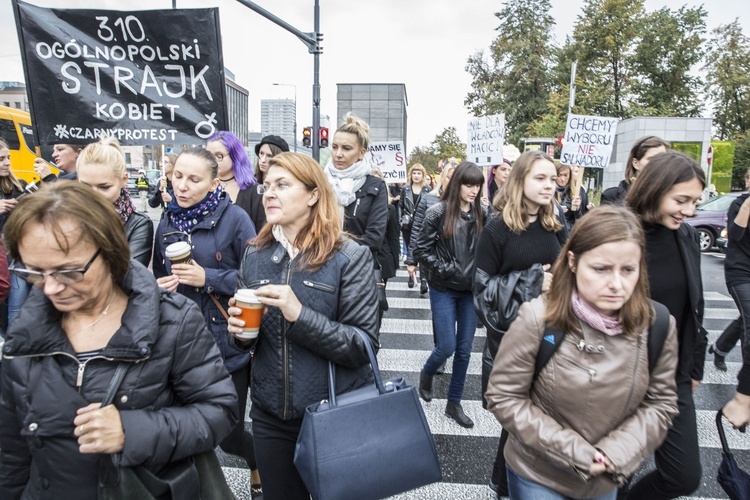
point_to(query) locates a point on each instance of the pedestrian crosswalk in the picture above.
(466, 455)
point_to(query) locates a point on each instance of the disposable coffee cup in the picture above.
(178, 253)
(252, 311)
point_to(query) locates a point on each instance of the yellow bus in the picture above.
(15, 129)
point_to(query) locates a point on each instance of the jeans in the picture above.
(275, 440)
(455, 323)
(19, 290)
(523, 489)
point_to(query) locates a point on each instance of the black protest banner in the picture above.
(145, 77)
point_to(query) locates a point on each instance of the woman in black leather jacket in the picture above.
(101, 165)
(416, 187)
(445, 246)
(318, 288)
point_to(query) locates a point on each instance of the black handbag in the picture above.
(369, 443)
(380, 287)
(198, 477)
(733, 480)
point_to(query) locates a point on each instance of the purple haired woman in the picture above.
(235, 170)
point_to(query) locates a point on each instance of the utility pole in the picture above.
(312, 41)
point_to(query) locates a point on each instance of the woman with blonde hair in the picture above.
(416, 185)
(101, 165)
(426, 201)
(318, 289)
(574, 207)
(584, 420)
(514, 253)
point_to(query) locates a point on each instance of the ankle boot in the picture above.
(425, 386)
(423, 288)
(454, 411)
(719, 360)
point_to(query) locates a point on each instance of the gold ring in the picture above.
(81, 428)
(278, 295)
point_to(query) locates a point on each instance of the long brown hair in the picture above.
(510, 200)
(638, 151)
(322, 235)
(466, 174)
(606, 224)
(8, 183)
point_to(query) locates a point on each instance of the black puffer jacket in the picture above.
(139, 231)
(290, 365)
(449, 262)
(176, 399)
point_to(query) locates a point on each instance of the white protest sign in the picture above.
(588, 141)
(486, 137)
(389, 158)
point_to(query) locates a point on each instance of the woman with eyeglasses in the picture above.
(101, 165)
(317, 288)
(202, 214)
(92, 309)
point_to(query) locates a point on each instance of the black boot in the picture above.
(423, 288)
(719, 360)
(454, 411)
(425, 386)
(410, 283)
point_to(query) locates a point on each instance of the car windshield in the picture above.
(720, 204)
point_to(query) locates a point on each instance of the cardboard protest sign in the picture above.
(486, 137)
(588, 141)
(389, 158)
(144, 77)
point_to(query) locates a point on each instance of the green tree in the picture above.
(445, 145)
(670, 46)
(741, 160)
(514, 79)
(728, 79)
(604, 37)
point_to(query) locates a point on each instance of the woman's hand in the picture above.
(575, 203)
(235, 324)
(163, 183)
(99, 430)
(165, 197)
(190, 274)
(283, 297)
(737, 410)
(485, 201)
(7, 205)
(169, 283)
(41, 167)
(600, 464)
(547, 283)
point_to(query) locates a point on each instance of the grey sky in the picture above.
(422, 43)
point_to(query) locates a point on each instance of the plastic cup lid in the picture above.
(176, 249)
(246, 295)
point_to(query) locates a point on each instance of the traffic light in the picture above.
(323, 137)
(306, 135)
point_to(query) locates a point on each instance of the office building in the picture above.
(381, 105)
(277, 117)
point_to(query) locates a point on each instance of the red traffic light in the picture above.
(323, 137)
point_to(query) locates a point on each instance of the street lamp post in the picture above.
(295, 110)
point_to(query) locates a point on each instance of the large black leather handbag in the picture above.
(369, 443)
(198, 477)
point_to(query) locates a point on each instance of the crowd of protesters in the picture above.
(615, 291)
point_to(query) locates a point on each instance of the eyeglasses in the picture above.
(65, 276)
(279, 187)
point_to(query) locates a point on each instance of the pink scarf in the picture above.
(610, 325)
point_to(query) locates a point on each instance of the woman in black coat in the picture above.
(101, 165)
(92, 309)
(663, 196)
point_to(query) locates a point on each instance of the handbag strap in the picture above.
(109, 396)
(221, 309)
(373, 363)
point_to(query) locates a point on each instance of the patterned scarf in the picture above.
(185, 219)
(279, 235)
(124, 205)
(610, 325)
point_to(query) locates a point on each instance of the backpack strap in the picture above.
(657, 334)
(551, 340)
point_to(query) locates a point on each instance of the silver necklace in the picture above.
(101, 316)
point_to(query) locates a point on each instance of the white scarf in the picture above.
(279, 236)
(347, 182)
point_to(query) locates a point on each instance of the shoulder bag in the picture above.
(369, 443)
(198, 477)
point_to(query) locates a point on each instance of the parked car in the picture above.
(711, 219)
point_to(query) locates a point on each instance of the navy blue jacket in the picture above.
(218, 243)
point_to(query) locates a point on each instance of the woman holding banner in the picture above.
(573, 206)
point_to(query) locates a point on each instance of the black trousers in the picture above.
(729, 337)
(239, 442)
(678, 467)
(741, 295)
(275, 440)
